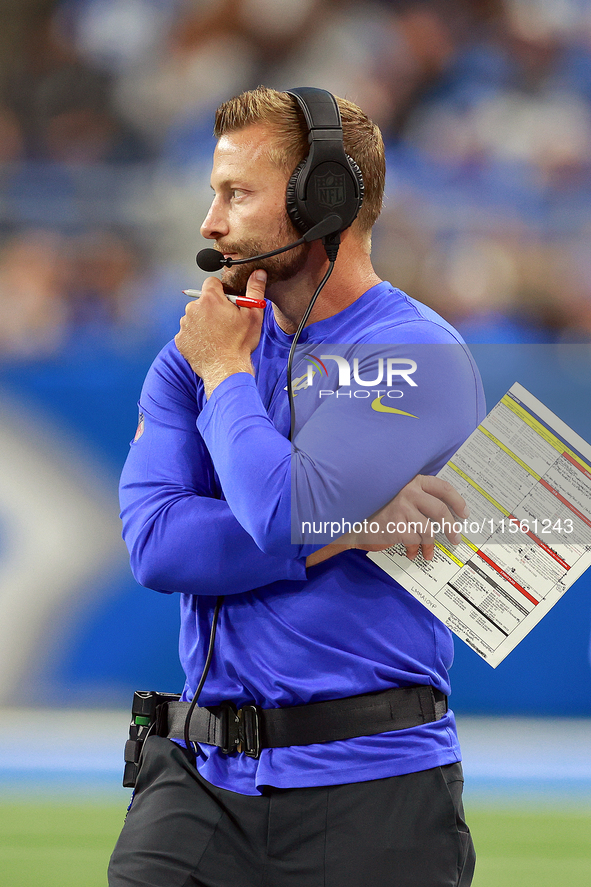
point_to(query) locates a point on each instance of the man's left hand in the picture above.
(406, 519)
(216, 337)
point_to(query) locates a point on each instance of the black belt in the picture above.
(250, 728)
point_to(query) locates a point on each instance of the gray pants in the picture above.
(404, 831)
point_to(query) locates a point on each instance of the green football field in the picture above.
(60, 844)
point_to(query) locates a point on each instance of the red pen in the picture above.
(241, 301)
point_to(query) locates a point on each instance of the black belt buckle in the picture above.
(229, 727)
(249, 731)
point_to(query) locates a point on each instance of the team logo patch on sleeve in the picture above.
(140, 428)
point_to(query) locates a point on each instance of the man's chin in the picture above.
(279, 268)
(231, 290)
(234, 280)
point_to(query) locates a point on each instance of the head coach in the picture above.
(322, 751)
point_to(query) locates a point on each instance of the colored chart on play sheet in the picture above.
(526, 477)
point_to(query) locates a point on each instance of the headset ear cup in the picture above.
(292, 203)
(291, 200)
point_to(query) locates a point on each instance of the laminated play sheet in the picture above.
(526, 477)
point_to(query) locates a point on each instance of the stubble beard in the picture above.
(279, 268)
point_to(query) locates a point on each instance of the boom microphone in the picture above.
(212, 259)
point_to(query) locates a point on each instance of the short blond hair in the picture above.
(362, 138)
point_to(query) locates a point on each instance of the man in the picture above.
(208, 495)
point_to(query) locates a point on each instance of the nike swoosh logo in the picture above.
(379, 407)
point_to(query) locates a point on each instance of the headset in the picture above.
(327, 182)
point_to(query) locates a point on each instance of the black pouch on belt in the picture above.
(145, 712)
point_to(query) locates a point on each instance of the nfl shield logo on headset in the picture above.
(330, 190)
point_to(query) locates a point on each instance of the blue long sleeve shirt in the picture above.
(217, 500)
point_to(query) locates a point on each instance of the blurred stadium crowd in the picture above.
(105, 145)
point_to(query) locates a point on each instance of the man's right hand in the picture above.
(406, 519)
